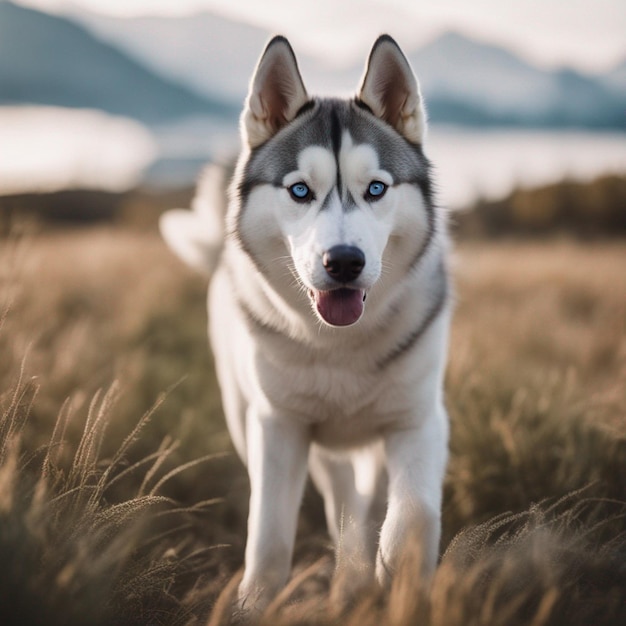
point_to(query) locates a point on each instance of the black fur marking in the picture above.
(425, 180)
(384, 38)
(430, 235)
(363, 106)
(335, 138)
(307, 106)
(327, 200)
(248, 180)
(335, 131)
(244, 188)
(412, 339)
(425, 183)
(349, 204)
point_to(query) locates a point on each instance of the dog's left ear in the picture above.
(389, 88)
(276, 93)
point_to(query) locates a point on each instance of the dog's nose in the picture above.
(344, 263)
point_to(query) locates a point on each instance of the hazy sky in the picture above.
(590, 34)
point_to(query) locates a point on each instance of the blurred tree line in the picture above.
(136, 209)
(581, 209)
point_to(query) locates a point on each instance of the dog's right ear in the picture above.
(276, 93)
(390, 89)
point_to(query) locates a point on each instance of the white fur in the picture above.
(375, 437)
(196, 235)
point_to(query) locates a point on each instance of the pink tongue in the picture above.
(340, 307)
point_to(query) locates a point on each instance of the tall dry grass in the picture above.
(106, 518)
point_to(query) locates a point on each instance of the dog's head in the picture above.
(333, 192)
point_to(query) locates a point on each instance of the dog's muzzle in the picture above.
(343, 305)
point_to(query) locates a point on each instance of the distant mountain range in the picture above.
(51, 60)
(153, 68)
(483, 83)
(616, 78)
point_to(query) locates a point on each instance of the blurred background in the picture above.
(109, 110)
(114, 96)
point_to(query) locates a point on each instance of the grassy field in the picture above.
(121, 501)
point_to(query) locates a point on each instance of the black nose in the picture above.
(344, 263)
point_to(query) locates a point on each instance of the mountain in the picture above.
(462, 77)
(208, 52)
(473, 82)
(158, 68)
(463, 80)
(197, 50)
(49, 60)
(615, 78)
(461, 69)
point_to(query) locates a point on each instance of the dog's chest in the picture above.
(343, 404)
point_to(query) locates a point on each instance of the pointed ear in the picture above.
(389, 88)
(276, 93)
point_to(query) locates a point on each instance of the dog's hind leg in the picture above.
(223, 329)
(350, 484)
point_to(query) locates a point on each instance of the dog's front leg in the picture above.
(277, 466)
(416, 460)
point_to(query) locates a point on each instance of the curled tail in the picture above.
(197, 235)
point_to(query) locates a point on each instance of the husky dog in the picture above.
(329, 313)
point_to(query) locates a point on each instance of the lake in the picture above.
(46, 148)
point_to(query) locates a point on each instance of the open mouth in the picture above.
(339, 307)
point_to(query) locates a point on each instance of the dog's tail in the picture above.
(197, 235)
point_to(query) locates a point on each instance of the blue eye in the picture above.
(300, 192)
(376, 190)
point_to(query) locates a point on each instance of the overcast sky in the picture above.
(588, 34)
